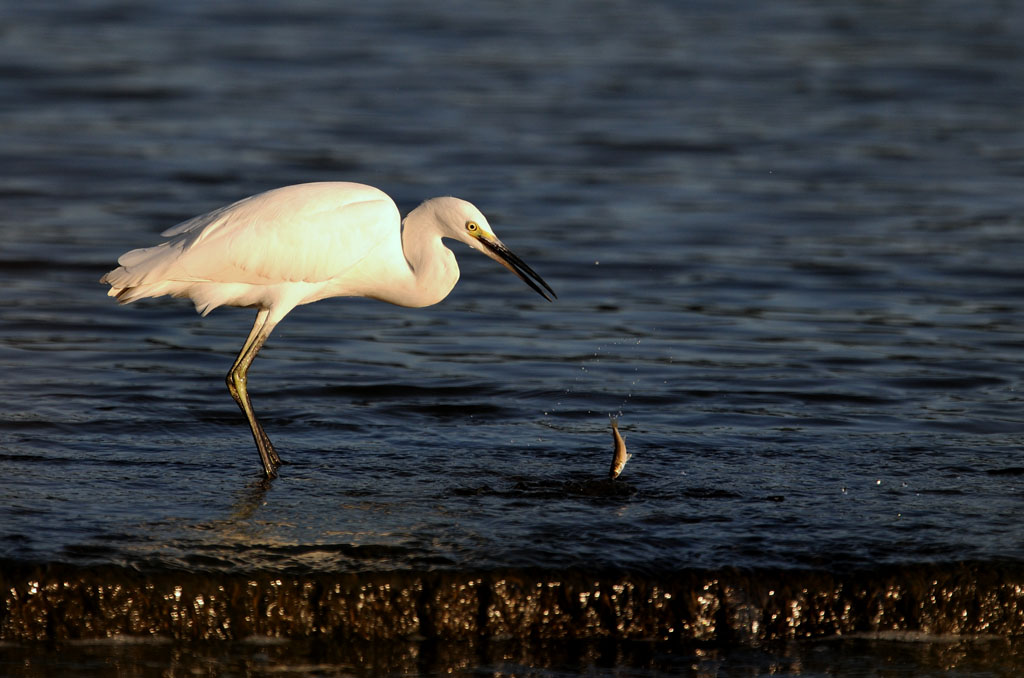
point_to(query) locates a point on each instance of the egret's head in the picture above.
(461, 220)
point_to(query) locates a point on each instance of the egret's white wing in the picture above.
(304, 233)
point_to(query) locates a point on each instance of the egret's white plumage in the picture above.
(299, 244)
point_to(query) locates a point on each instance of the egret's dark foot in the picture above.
(268, 455)
(269, 470)
(265, 445)
(274, 459)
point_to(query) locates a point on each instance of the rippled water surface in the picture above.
(786, 240)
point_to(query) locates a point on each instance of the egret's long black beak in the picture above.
(504, 256)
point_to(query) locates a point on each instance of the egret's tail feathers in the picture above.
(128, 293)
(128, 286)
(146, 272)
(205, 297)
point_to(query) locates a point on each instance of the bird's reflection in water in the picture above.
(249, 499)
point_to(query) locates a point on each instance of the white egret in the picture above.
(299, 244)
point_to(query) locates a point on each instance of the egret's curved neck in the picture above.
(433, 266)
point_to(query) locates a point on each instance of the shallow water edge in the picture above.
(57, 602)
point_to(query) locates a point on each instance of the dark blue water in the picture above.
(787, 240)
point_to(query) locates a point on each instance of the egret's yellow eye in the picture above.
(472, 226)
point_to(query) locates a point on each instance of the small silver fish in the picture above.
(620, 458)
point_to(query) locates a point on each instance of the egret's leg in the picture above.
(237, 380)
(242, 397)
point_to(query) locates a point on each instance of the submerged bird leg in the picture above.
(237, 380)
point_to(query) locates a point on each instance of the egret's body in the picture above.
(299, 244)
